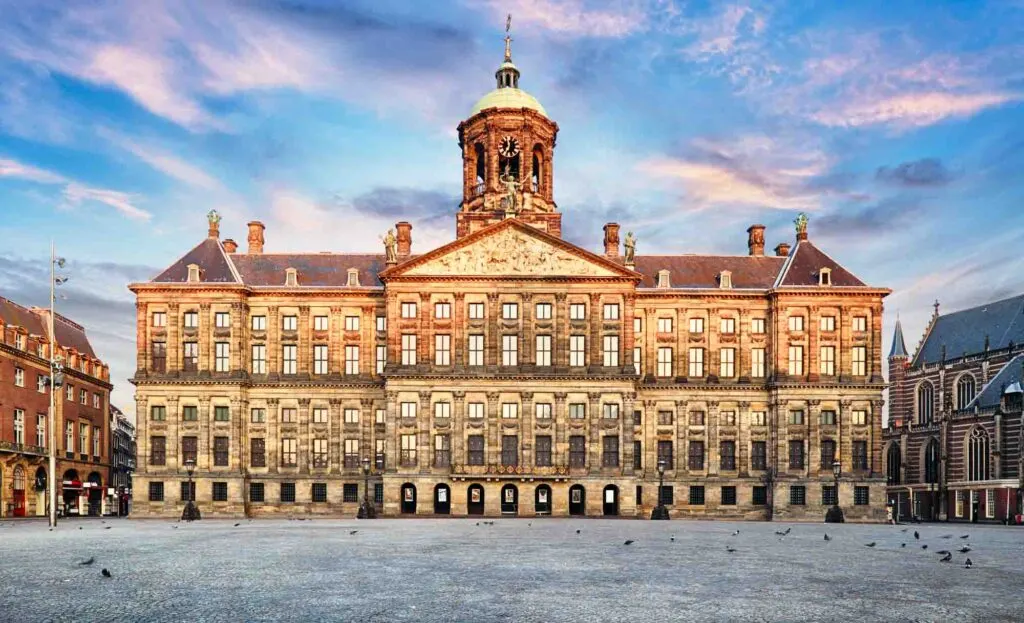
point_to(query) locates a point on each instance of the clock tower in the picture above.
(508, 145)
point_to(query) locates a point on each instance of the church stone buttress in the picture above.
(508, 145)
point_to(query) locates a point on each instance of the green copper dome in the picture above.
(508, 97)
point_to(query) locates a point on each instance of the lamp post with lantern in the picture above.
(366, 509)
(660, 512)
(191, 512)
(835, 514)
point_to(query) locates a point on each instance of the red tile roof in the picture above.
(702, 271)
(807, 260)
(314, 269)
(69, 334)
(212, 262)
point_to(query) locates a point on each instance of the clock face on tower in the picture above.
(509, 147)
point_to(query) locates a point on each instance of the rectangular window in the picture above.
(610, 451)
(860, 323)
(638, 325)
(759, 495)
(259, 359)
(510, 350)
(796, 418)
(378, 493)
(828, 495)
(70, 391)
(191, 320)
(510, 450)
(542, 455)
(158, 450)
(378, 416)
(696, 455)
(664, 325)
(319, 415)
(289, 323)
(797, 495)
(758, 455)
(257, 452)
(158, 413)
(160, 319)
(442, 311)
(664, 362)
(257, 492)
(757, 325)
(727, 418)
(382, 324)
(352, 323)
(190, 356)
(258, 323)
(577, 311)
(638, 455)
(83, 396)
(220, 451)
(41, 431)
(97, 441)
(159, 350)
(577, 451)
(407, 410)
(350, 492)
(542, 411)
(442, 350)
(859, 361)
(759, 418)
(442, 410)
(476, 311)
(796, 360)
(289, 415)
(408, 310)
(189, 449)
(727, 455)
(379, 454)
(796, 323)
(289, 359)
(796, 454)
(860, 455)
(221, 413)
(509, 410)
(667, 495)
(408, 451)
(696, 418)
(321, 323)
(289, 452)
(577, 350)
(827, 362)
(859, 417)
(222, 320)
(476, 449)
(960, 495)
(666, 456)
(320, 359)
(828, 418)
(827, 323)
(860, 496)
(442, 451)
(990, 502)
(696, 325)
(319, 492)
(408, 349)
(544, 311)
(382, 358)
(351, 360)
(190, 413)
(19, 426)
(611, 350)
(577, 411)
(476, 350)
(611, 411)
(637, 363)
(665, 418)
(611, 311)
(728, 496)
(696, 362)
(476, 410)
(287, 491)
(544, 350)
(156, 492)
(828, 453)
(351, 416)
(727, 363)
(727, 326)
(510, 311)
(350, 457)
(41, 384)
(696, 495)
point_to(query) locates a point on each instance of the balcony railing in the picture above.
(498, 469)
(22, 448)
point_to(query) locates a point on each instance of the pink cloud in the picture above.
(575, 17)
(911, 109)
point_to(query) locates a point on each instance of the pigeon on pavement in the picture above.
(948, 557)
(968, 564)
(105, 573)
(628, 542)
(871, 544)
(88, 562)
(827, 537)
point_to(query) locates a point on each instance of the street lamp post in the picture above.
(366, 509)
(56, 380)
(835, 514)
(191, 512)
(660, 512)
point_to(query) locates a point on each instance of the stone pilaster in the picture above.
(424, 426)
(305, 347)
(205, 343)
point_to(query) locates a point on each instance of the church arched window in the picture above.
(977, 454)
(481, 167)
(931, 462)
(964, 391)
(925, 403)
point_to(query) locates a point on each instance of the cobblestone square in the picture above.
(538, 570)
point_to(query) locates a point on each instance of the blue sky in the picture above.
(896, 126)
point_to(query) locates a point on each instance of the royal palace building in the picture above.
(956, 421)
(509, 371)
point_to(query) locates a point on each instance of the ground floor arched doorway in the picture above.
(475, 500)
(95, 494)
(577, 500)
(610, 506)
(408, 499)
(19, 492)
(509, 500)
(542, 500)
(71, 487)
(442, 500)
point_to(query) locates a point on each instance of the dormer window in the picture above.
(193, 273)
(353, 278)
(291, 277)
(825, 277)
(725, 279)
(663, 279)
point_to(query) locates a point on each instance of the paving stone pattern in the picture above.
(515, 570)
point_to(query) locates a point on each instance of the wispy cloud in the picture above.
(15, 169)
(918, 173)
(74, 193)
(908, 110)
(575, 18)
(167, 163)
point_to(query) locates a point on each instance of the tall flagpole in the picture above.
(53, 390)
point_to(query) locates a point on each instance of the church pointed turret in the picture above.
(899, 347)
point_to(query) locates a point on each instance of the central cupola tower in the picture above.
(508, 146)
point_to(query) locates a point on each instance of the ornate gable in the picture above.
(510, 249)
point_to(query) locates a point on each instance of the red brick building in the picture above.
(82, 415)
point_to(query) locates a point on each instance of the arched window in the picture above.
(892, 464)
(964, 391)
(537, 172)
(977, 454)
(481, 168)
(925, 403)
(931, 462)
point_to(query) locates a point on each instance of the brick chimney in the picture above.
(782, 249)
(404, 230)
(611, 240)
(256, 237)
(755, 240)
(230, 246)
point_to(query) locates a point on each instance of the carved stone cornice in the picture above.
(303, 402)
(366, 402)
